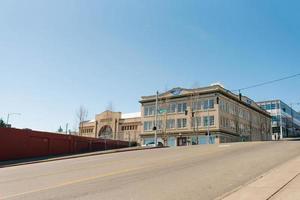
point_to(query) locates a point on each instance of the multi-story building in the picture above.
(285, 120)
(113, 125)
(204, 115)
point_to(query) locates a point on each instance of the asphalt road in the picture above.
(197, 172)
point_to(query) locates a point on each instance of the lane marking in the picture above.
(99, 165)
(152, 164)
(224, 146)
(61, 172)
(73, 182)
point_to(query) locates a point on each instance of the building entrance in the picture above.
(106, 132)
(181, 141)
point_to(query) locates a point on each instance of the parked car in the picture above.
(151, 144)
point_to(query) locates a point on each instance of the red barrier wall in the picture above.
(20, 144)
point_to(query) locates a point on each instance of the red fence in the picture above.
(20, 144)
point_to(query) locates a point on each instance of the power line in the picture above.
(266, 83)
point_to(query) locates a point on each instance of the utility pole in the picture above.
(129, 142)
(155, 125)
(280, 112)
(67, 128)
(9, 114)
(292, 116)
(208, 122)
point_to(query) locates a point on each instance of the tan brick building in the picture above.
(186, 116)
(113, 125)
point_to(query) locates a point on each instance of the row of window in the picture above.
(203, 105)
(90, 130)
(234, 110)
(207, 120)
(231, 124)
(276, 118)
(242, 128)
(132, 127)
(285, 108)
(181, 107)
(180, 123)
(172, 108)
(270, 106)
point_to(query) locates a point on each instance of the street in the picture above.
(194, 172)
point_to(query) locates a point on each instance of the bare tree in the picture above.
(81, 116)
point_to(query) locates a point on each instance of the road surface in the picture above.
(195, 172)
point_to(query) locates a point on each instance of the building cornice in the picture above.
(204, 91)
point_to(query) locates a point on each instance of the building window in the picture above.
(205, 104)
(181, 107)
(170, 123)
(263, 107)
(159, 125)
(209, 120)
(211, 104)
(208, 104)
(148, 125)
(181, 123)
(273, 106)
(149, 110)
(196, 122)
(231, 109)
(212, 120)
(197, 105)
(172, 108)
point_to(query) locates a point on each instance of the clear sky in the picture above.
(56, 55)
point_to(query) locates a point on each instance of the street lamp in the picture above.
(9, 114)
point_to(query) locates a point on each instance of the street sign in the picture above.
(162, 111)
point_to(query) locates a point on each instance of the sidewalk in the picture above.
(282, 183)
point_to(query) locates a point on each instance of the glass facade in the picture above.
(283, 118)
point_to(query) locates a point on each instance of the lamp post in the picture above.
(155, 126)
(208, 123)
(9, 114)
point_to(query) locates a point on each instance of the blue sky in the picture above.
(56, 55)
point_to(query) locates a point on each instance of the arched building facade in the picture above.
(113, 125)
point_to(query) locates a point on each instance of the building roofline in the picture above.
(275, 100)
(203, 91)
(186, 89)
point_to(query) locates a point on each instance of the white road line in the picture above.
(224, 146)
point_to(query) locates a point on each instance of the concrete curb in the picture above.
(6, 164)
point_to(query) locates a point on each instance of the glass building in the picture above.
(285, 120)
